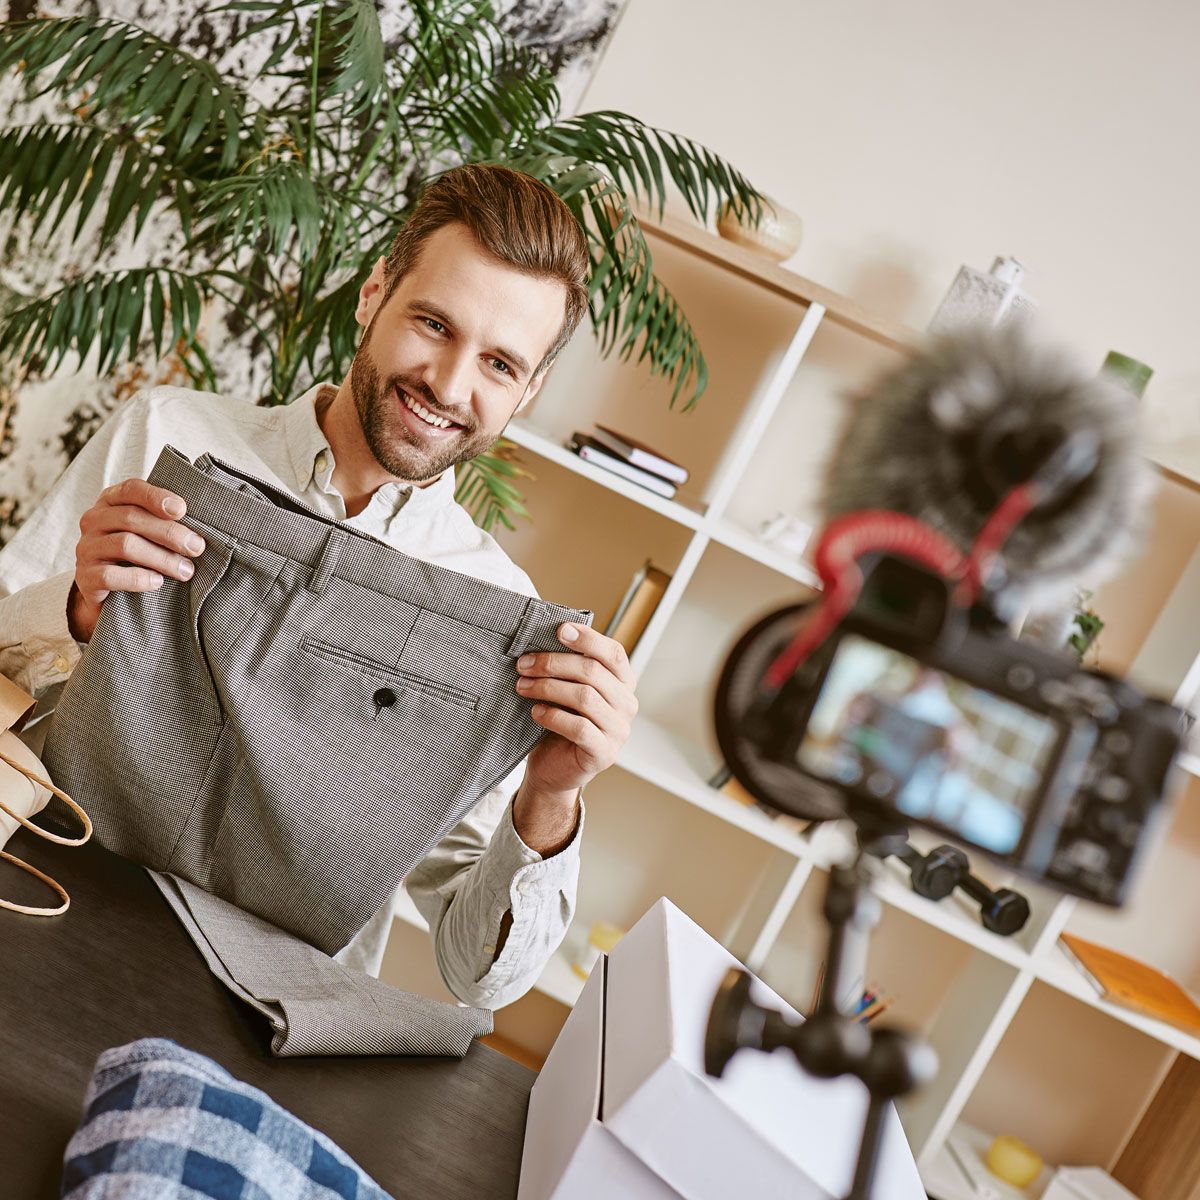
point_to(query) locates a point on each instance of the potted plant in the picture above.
(281, 192)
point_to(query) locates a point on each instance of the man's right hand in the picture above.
(131, 538)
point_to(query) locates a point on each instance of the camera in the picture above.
(917, 710)
(975, 481)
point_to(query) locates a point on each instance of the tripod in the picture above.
(831, 1042)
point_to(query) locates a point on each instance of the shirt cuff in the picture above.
(540, 893)
(526, 868)
(38, 649)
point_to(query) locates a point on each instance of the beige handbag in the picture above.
(25, 791)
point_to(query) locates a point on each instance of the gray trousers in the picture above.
(291, 730)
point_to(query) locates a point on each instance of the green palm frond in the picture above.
(45, 168)
(275, 206)
(629, 305)
(131, 77)
(284, 206)
(108, 310)
(635, 155)
(360, 55)
(484, 490)
(471, 86)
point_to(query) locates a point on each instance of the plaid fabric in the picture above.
(162, 1122)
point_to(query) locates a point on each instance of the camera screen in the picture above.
(928, 744)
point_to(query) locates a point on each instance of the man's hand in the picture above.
(131, 538)
(586, 704)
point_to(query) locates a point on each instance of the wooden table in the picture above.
(117, 966)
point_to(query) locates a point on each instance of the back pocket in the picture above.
(400, 677)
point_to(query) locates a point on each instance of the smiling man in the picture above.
(484, 285)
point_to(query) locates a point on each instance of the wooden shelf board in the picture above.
(653, 754)
(532, 439)
(745, 263)
(728, 533)
(1060, 973)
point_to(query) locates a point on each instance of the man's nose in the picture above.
(450, 376)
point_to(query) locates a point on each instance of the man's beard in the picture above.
(394, 446)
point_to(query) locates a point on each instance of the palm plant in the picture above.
(285, 191)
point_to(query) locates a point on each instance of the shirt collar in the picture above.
(306, 443)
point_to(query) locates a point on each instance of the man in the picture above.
(481, 289)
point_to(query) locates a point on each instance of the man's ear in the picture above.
(370, 295)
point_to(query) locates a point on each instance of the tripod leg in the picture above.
(868, 1151)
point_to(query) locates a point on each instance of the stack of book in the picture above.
(629, 458)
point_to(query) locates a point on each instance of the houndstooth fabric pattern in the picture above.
(161, 1121)
(314, 1004)
(294, 727)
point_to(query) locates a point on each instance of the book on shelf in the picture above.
(1133, 984)
(637, 606)
(638, 454)
(592, 451)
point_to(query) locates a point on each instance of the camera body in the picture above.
(918, 711)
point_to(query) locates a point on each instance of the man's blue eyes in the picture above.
(438, 327)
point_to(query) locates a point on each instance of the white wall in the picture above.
(916, 136)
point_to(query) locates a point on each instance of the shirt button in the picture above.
(322, 460)
(489, 949)
(61, 665)
(523, 887)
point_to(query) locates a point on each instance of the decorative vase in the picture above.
(777, 236)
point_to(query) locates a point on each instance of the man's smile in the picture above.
(428, 423)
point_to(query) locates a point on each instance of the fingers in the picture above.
(130, 549)
(97, 580)
(144, 495)
(608, 674)
(129, 544)
(106, 520)
(581, 698)
(576, 729)
(593, 644)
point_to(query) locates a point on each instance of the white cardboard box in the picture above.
(623, 1107)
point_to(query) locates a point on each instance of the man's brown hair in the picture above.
(516, 219)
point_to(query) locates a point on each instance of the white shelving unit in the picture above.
(984, 983)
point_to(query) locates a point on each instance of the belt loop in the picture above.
(330, 557)
(535, 610)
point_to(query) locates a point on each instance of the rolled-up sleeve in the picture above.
(475, 875)
(36, 646)
(37, 566)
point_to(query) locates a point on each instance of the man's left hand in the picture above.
(586, 703)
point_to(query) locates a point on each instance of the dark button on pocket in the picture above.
(385, 698)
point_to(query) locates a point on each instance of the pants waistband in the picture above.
(277, 522)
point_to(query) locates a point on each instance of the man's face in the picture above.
(457, 341)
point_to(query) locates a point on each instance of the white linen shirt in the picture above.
(482, 869)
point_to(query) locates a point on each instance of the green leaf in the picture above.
(105, 310)
(360, 54)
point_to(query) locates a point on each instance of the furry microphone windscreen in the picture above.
(947, 434)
